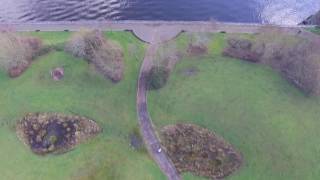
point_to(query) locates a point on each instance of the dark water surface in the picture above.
(259, 11)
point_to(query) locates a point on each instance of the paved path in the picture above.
(146, 127)
(141, 28)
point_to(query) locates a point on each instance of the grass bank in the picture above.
(315, 30)
(83, 92)
(271, 122)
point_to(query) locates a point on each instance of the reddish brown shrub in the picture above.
(17, 52)
(243, 49)
(106, 56)
(296, 57)
(196, 50)
(18, 70)
(199, 151)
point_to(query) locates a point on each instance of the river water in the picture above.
(257, 11)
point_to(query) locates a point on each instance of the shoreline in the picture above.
(142, 29)
(127, 23)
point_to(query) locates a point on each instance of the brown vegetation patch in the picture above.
(295, 56)
(197, 150)
(191, 71)
(17, 70)
(243, 49)
(105, 55)
(17, 52)
(57, 73)
(56, 133)
(197, 49)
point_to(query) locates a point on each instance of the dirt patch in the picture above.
(57, 73)
(55, 133)
(197, 49)
(197, 150)
(190, 71)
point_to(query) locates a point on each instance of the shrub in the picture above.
(84, 44)
(58, 46)
(196, 50)
(106, 56)
(136, 140)
(45, 49)
(243, 49)
(16, 53)
(197, 150)
(158, 77)
(198, 44)
(296, 57)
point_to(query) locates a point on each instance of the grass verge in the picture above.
(266, 118)
(83, 92)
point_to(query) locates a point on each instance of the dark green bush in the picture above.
(43, 51)
(136, 140)
(48, 48)
(58, 46)
(157, 78)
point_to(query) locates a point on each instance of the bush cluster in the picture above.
(157, 77)
(17, 52)
(296, 57)
(197, 150)
(106, 56)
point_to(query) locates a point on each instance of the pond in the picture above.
(257, 11)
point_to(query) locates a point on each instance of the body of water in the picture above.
(257, 11)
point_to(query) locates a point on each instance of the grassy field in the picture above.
(271, 122)
(84, 92)
(315, 30)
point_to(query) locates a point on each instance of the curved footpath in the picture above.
(146, 127)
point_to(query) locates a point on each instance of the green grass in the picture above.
(272, 123)
(84, 92)
(315, 30)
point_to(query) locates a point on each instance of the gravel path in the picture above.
(141, 28)
(146, 127)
